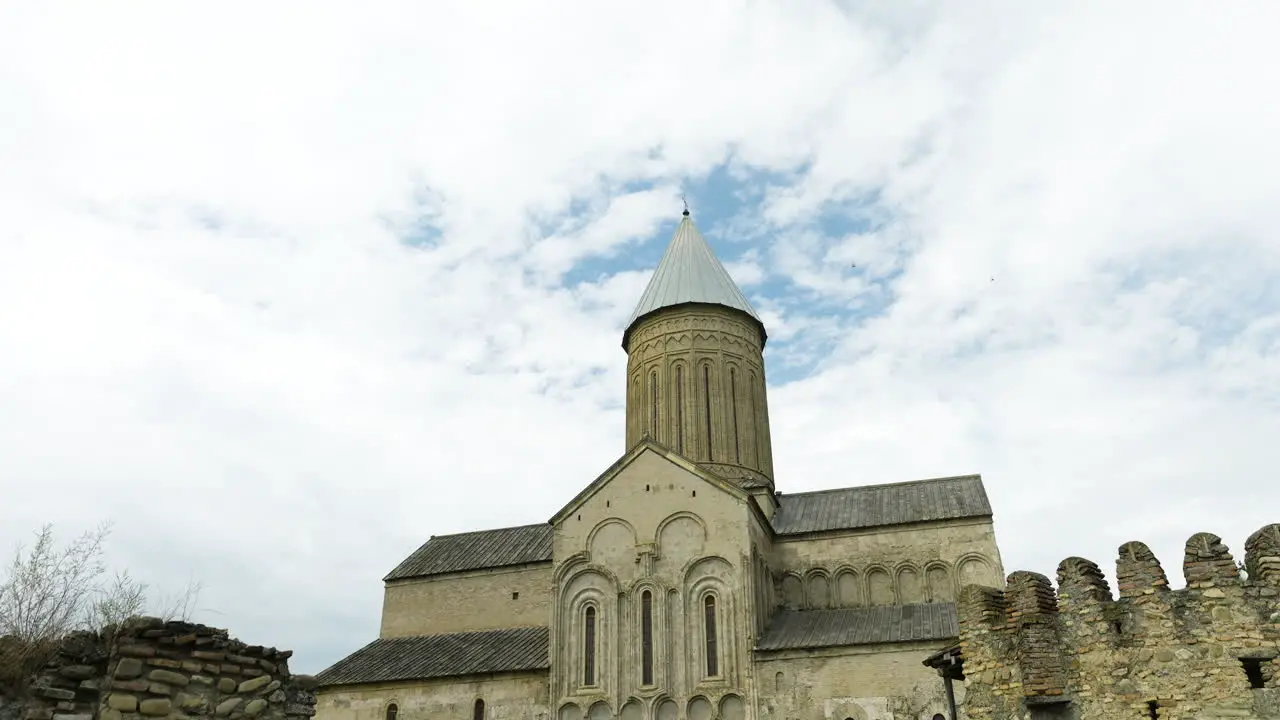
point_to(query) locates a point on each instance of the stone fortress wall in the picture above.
(150, 669)
(1209, 650)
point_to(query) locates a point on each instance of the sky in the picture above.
(283, 294)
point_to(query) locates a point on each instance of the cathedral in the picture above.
(680, 584)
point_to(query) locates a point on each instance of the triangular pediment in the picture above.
(647, 446)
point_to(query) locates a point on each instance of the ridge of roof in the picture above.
(464, 533)
(922, 481)
(477, 550)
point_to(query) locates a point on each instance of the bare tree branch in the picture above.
(47, 593)
(181, 605)
(116, 602)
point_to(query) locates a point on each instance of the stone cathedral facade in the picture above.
(680, 584)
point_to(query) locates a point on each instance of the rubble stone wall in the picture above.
(1209, 650)
(147, 669)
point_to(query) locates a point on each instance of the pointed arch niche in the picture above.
(585, 625)
(710, 623)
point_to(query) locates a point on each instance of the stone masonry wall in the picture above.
(1207, 651)
(149, 669)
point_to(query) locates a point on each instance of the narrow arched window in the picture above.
(679, 409)
(477, 713)
(713, 658)
(392, 711)
(706, 408)
(653, 404)
(589, 647)
(635, 420)
(733, 403)
(646, 638)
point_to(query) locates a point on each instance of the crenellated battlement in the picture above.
(1209, 649)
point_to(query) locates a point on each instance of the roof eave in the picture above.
(498, 566)
(813, 534)
(428, 678)
(626, 334)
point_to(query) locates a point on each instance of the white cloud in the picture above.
(282, 294)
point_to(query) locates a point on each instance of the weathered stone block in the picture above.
(122, 702)
(255, 706)
(192, 703)
(130, 685)
(170, 677)
(226, 685)
(155, 707)
(305, 682)
(77, 672)
(56, 693)
(253, 684)
(226, 707)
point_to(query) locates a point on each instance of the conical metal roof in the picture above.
(689, 272)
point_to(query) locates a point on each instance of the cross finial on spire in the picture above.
(686, 205)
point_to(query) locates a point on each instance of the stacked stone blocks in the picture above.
(149, 669)
(1198, 652)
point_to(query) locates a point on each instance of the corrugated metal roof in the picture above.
(437, 656)
(877, 505)
(690, 272)
(796, 629)
(477, 550)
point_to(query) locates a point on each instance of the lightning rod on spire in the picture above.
(686, 205)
